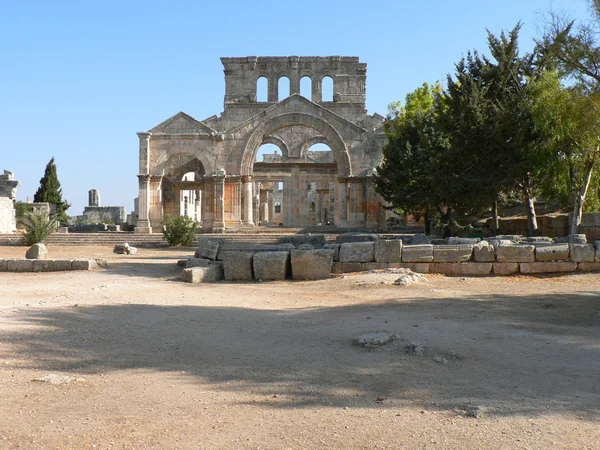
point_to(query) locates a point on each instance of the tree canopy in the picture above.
(51, 192)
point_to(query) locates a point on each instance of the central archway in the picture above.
(273, 124)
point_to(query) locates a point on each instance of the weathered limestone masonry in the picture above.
(218, 259)
(8, 193)
(208, 170)
(96, 213)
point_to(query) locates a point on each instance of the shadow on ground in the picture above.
(516, 355)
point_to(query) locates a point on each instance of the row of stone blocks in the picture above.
(264, 266)
(392, 251)
(473, 268)
(48, 265)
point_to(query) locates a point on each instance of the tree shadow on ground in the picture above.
(516, 355)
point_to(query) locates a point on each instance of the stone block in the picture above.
(417, 253)
(271, 266)
(505, 268)
(548, 267)
(311, 264)
(373, 266)
(286, 247)
(415, 267)
(453, 240)
(582, 266)
(388, 250)
(597, 253)
(84, 264)
(484, 252)
(3, 265)
(472, 269)
(37, 251)
(357, 252)
(336, 267)
(197, 262)
(316, 240)
(207, 274)
(445, 268)
(582, 252)
(336, 249)
(452, 253)
(19, 265)
(419, 239)
(515, 253)
(210, 250)
(355, 237)
(237, 266)
(553, 252)
(572, 239)
(351, 267)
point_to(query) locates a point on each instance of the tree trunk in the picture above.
(580, 199)
(531, 217)
(427, 223)
(495, 219)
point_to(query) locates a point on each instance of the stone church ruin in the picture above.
(208, 169)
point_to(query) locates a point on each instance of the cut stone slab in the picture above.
(37, 251)
(210, 249)
(336, 248)
(124, 249)
(237, 266)
(453, 240)
(51, 265)
(84, 264)
(19, 265)
(388, 250)
(316, 240)
(596, 247)
(505, 268)
(471, 269)
(553, 252)
(417, 253)
(311, 264)
(582, 252)
(452, 253)
(3, 265)
(197, 262)
(356, 237)
(373, 266)
(271, 266)
(443, 268)
(336, 268)
(572, 239)
(419, 239)
(484, 252)
(375, 340)
(286, 247)
(351, 267)
(515, 253)
(357, 252)
(305, 247)
(207, 274)
(548, 267)
(583, 266)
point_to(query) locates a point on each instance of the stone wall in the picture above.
(554, 225)
(8, 192)
(115, 214)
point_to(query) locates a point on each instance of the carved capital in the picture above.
(246, 178)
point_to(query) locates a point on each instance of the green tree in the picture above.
(568, 119)
(180, 230)
(51, 192)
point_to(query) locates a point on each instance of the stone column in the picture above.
(273, 90)
(294, 84)
(316, 90)
(219, 215)
(341, 203)
(143, 224)
(93, 197)
(248, 200)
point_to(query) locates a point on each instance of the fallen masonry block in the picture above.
(452, 253)
(210, 249)
(336, 268)
(553, 252)
(197, 262)
(388, 250)
(582, 252)
(471, 269)
(357, 252)
(271, 266)
(351, 267)
(19, 265)
(505, 268)
(515, 253)
(548, 267)
(484, 252)
(311, 264)
(37, 251)
(237, 266)
(84, 264)
(3, 265)
(206, 274)
(443, 268)
(417, 253)
(51, 265)
(336, 248)
(582, 266)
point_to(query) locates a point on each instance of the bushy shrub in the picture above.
(38, 226)
(180, 231)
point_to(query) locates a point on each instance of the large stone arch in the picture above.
(178, 164)
(334, 140)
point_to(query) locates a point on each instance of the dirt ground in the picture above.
(134, 358)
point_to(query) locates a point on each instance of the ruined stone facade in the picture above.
(208, 169)
(8, 193)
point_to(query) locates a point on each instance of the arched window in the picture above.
(262, 89)
(283, 86)
(327, 89)
(268, 153)
(277, 208)
(306, 87)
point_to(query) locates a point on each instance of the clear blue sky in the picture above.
(78, 79)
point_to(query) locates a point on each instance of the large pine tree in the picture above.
(51, 192)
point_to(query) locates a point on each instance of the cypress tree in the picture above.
(51, 192)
